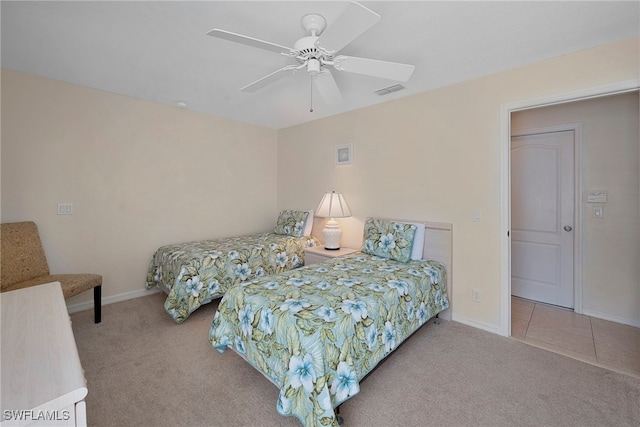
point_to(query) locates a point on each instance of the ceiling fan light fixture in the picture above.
(313, 66)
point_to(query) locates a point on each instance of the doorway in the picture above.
(505, 152)
(610, 206)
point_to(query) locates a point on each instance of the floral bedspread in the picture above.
(318, 330)
(194, 273)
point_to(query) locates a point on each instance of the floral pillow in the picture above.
(388, 239)
(291, 223)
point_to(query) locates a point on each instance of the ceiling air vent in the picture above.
(390, 89)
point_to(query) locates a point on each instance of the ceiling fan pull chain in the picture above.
(311, 97)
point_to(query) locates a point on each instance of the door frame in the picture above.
(577, 201)
(505, 175)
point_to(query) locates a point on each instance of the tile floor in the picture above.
(608, 344)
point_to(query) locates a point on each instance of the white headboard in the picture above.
(438, 246)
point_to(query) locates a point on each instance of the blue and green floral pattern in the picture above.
(318, 330)
(291, 223)
(388, 239)
(195, 273)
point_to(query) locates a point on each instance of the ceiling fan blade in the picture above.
(354, 21)
(374, 67)
(249, 41)
(326, 85)
(268, 79)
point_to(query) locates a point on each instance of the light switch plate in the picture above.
(65, 209)
(598, 212)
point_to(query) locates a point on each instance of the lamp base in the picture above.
(331, 235)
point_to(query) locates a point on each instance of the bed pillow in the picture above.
(418, 241)
(308, 224)
(388, 239)
(291, 223)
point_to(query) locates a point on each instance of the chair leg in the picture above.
(97, 303)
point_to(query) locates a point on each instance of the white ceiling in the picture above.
(159, 50)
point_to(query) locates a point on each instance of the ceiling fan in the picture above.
(317, 52)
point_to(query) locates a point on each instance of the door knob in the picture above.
(567, 228)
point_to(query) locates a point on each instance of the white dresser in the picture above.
(42, 380)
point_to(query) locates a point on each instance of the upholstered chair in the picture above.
(24, 264)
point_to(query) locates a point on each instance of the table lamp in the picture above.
(332, 206)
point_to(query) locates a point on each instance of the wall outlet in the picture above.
(475, 295)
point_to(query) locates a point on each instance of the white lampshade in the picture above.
(332, 206)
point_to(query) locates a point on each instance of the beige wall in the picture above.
(139, 175)
(436, 156)
(610, 160)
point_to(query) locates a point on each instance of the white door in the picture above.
(542, 216)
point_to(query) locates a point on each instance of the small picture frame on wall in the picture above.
(344, 154)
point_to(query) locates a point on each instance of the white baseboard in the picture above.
(484, 326)
(610, 317)
(111, 299)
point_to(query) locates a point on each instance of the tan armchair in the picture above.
(23, 264)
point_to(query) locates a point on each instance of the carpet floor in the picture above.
(142, 369)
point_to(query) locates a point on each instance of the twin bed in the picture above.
(317, 331)
(195, 273)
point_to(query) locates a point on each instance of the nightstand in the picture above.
(318, 254)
